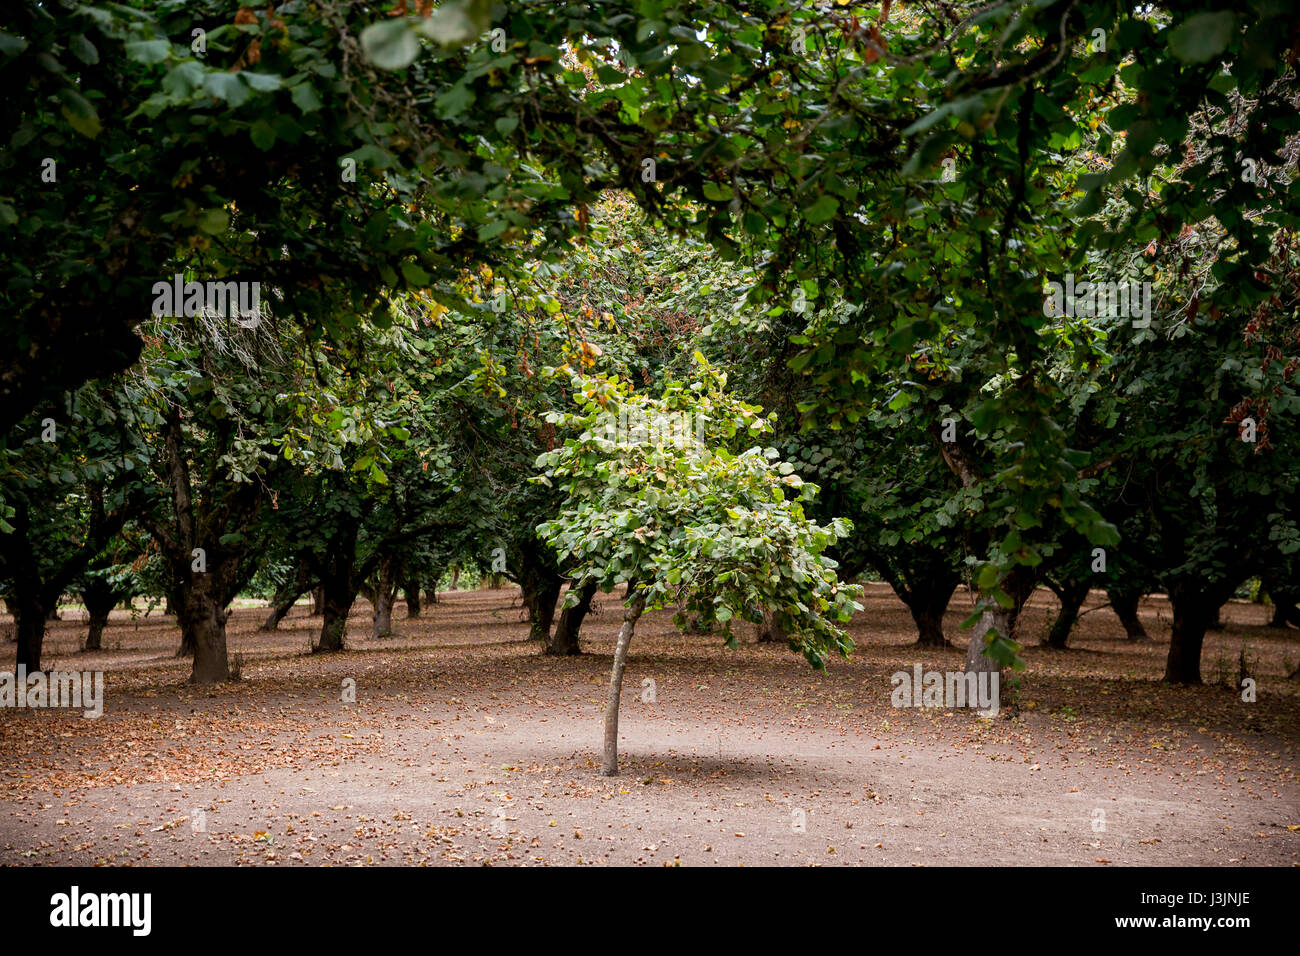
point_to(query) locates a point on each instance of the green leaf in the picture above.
(824, 208)
(1203, 37)
(717, 193)
(454, 23)
(306, 98)
(83, 49)
(262, 82)
(79, 113)
(262, 134)
(390, 44)
(148, 52)
(11, 45)
(226, 86)
(214, 221)
(414, 275)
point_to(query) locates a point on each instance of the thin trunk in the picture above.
(1125, 606)
(317, 601)
(609, 766)
(565, 639)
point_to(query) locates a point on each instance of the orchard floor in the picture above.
(466, 746)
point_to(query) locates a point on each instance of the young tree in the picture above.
(716, 528)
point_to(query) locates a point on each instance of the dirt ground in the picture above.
(466, 746)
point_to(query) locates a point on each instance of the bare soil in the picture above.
(467, 746)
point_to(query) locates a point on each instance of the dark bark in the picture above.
(1195, 608)
(29, 627)
(36, 592)
(543, 609)
(202, 618)
(1285, 613)
(317, 601)
(771, 631)
(340, 587)
(927, 600)
(567, 629)
(411, 589)
(287, 594)
(100, 598)
(1125, 606)
(1071, 594)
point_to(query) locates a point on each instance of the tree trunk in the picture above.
(317, 601)
(281, 605)
(53, 613)
(203, 627)
(771, 631)
(1072, 594)
(565, 639)
(339, 598)
(995, 617)
(927, 600)
(383, 597)
(609, 766)
(411, 588)
(1125, 606)
(100, 598)
(542, 611)
(29, 627)
(1193, 615)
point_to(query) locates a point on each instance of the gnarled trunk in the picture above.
(202, 618)
(100, 599)
(1194, 612)
(927, 599)
(1072, 594)
(994, 618)
(609, 765)
(542, 609)
(771, 631)
(383, 596)
(565, 639)
(411, 590)
(1125, 606)
(334, 628)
